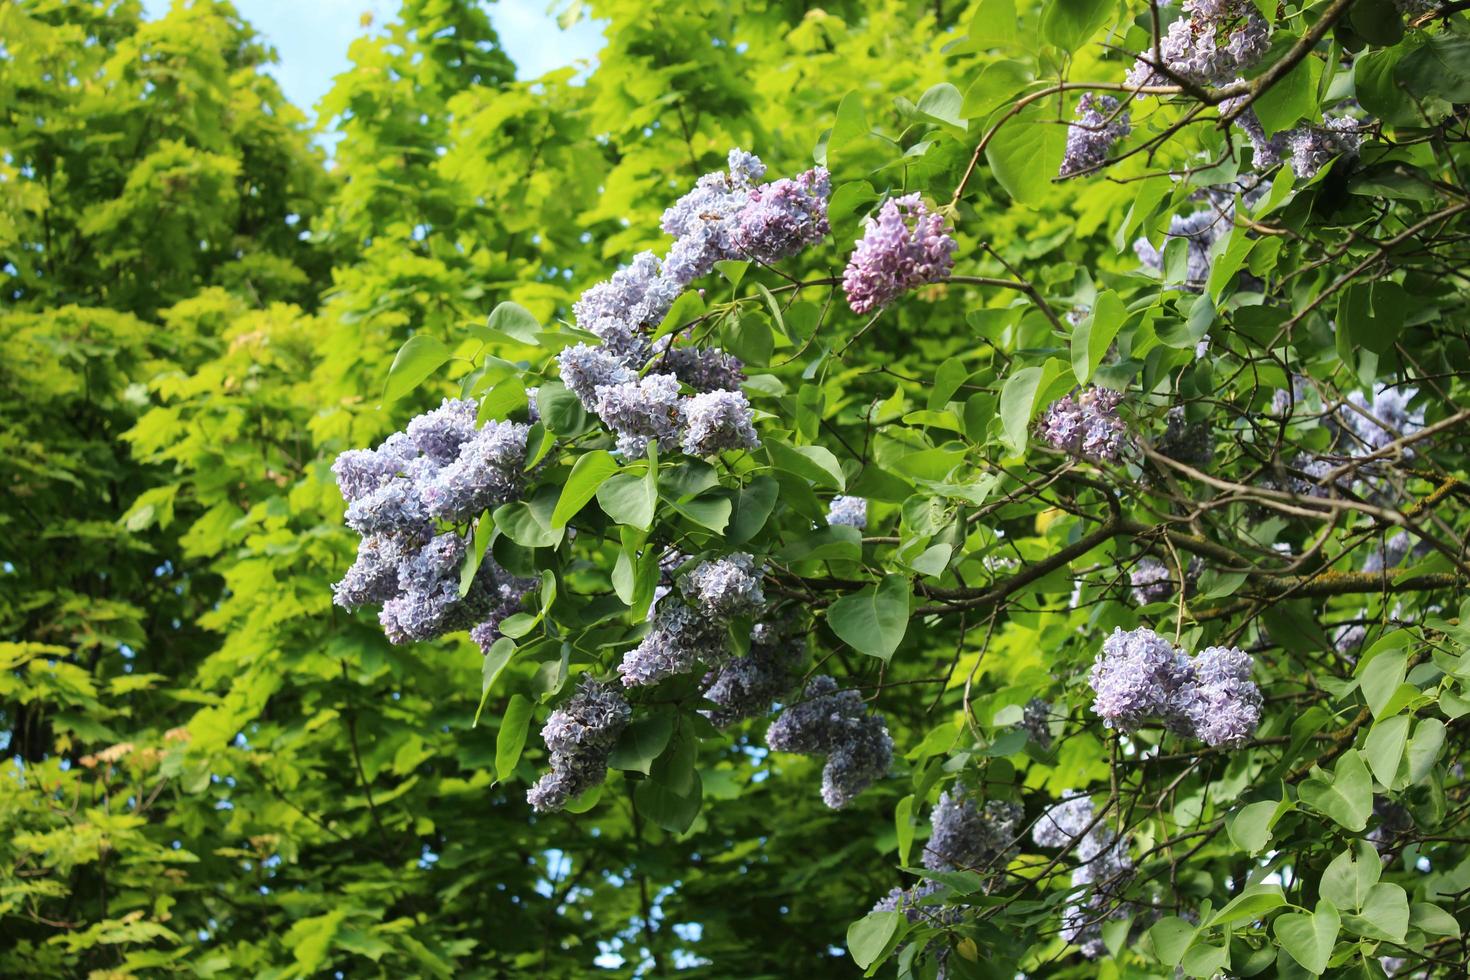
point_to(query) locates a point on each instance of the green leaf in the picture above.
(511, 738)
(1384, 747)
(629, 499)
(873, 620)
(561, 411)
(813, 463)
(943, 103)
(711, 510)
(1348, 797)
(1309, 937)
(843, 209)
(643, 741)
(588, 474)
(851, 125)
(1384, 915)
(903, 823)
(1026, 154)
(1291, 98)
(1171, 937)
(518, 521)
(418, 358)
(515, 321)
(1228, 263)
(1351, 876)
(1250, 826)
(825, 543)
(1021, 396)
(1070, 23)
(1253, 903)
(869, 936)
(993, 24)
(1439, 68)
(1381, 677)
(490, 667)
(1377, 21)
(753, 506)
(1433, 920)
(1424, 748)
(1092, 338)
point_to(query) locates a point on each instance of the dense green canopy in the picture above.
(212, 769)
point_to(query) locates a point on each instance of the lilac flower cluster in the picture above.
(726, 216)
(579, 735)
(693, 630)
(848, 511)
(966, 837)
(836, 724)
(1036, 722)
(1211, 44)
(747, 686)
(1140, 677)
(1090, 138)
(913, 903)
(905, 246)
(1153, 581)
(1087, 425)
(1311, 147)
(1104, 868)
(444, 467)
(1381, 419)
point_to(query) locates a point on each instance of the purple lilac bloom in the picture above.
(1226, 707)
(1188, 442)
(836, 724)
(637, 411)
(725, 587)
(905, 246)
(1151, 581)
(848, 511)
(1036, 722)
(1347, 639)
(1268, 151)
(703, 221)
(1200, 230)
(1141, 677)
(439, 434)
(361, 471)
(1389, 554)
(717, 421)
(783, 217)
(1087, 425)
(1064, 823)
(636, 297)
(966, 837)
(584, 369)
(428, 602)
(489, 471)
(579, 735)
(373, 578)
(1212, 43)
(1312, 147)
(704, 369)
(1091, 136)
(912, 903)
(395, 507)
(1382, 419)
(508, 595)
(681, 639)
(746, 686)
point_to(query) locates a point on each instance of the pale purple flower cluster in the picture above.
(848, 511)
(725, 587)
(1140, 677)
(1036, 722)
(783, 217)
(746, 686)
(508, 599)
(913, 903)
(1153, 581)
(1103, 867)
(579, 735)
(963, 836)
(1347, 639)
(1066, 822)
(680, 639)
(905, 246)
(726, 216)
(1212, 43)
(1312, 147)
(1381, 419)
(1090, 138)
(444, 467)
(1389, 554)
(836, 724)
(1087, 425)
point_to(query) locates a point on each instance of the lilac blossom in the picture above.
(1091, 136)
(1311, 147)
(439, 434)
(1036, 722)
(1064, 823)
(509, 594)
(637, 411)
(836, 724)
(1087, 425)
(373, 578)
(1188, 442)
(718, 421)
(905, 246)
(848, 511)
(725, 587)
(783, 217)
(680, 641)
(1226, 706)
(490, 470)
(584, 369)
(1141, 677)
(747, 685)
(580, 736)
(963, 836)
(1200, 230)
(704, 220)
(1211, 44)
(1381, 419)
(703, 369)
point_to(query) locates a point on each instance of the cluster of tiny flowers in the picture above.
(1390, 554)
(1311, 147)
(912, 903)
(1212, 43)
(905, 246)
(1087, 425)
(1188, 442)
(726, 216)
(746, 686)
(1347, 639)
(1036, 721)
(1153, 581)
(1268, 150)
(692, 631)
(579, 735)
(838, 725)
(1104, 867)
(444, 467)
(1140, 677)
(1090, 138)
(848, 512)
(966, 837)
(1381, 419)
(725, 587)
